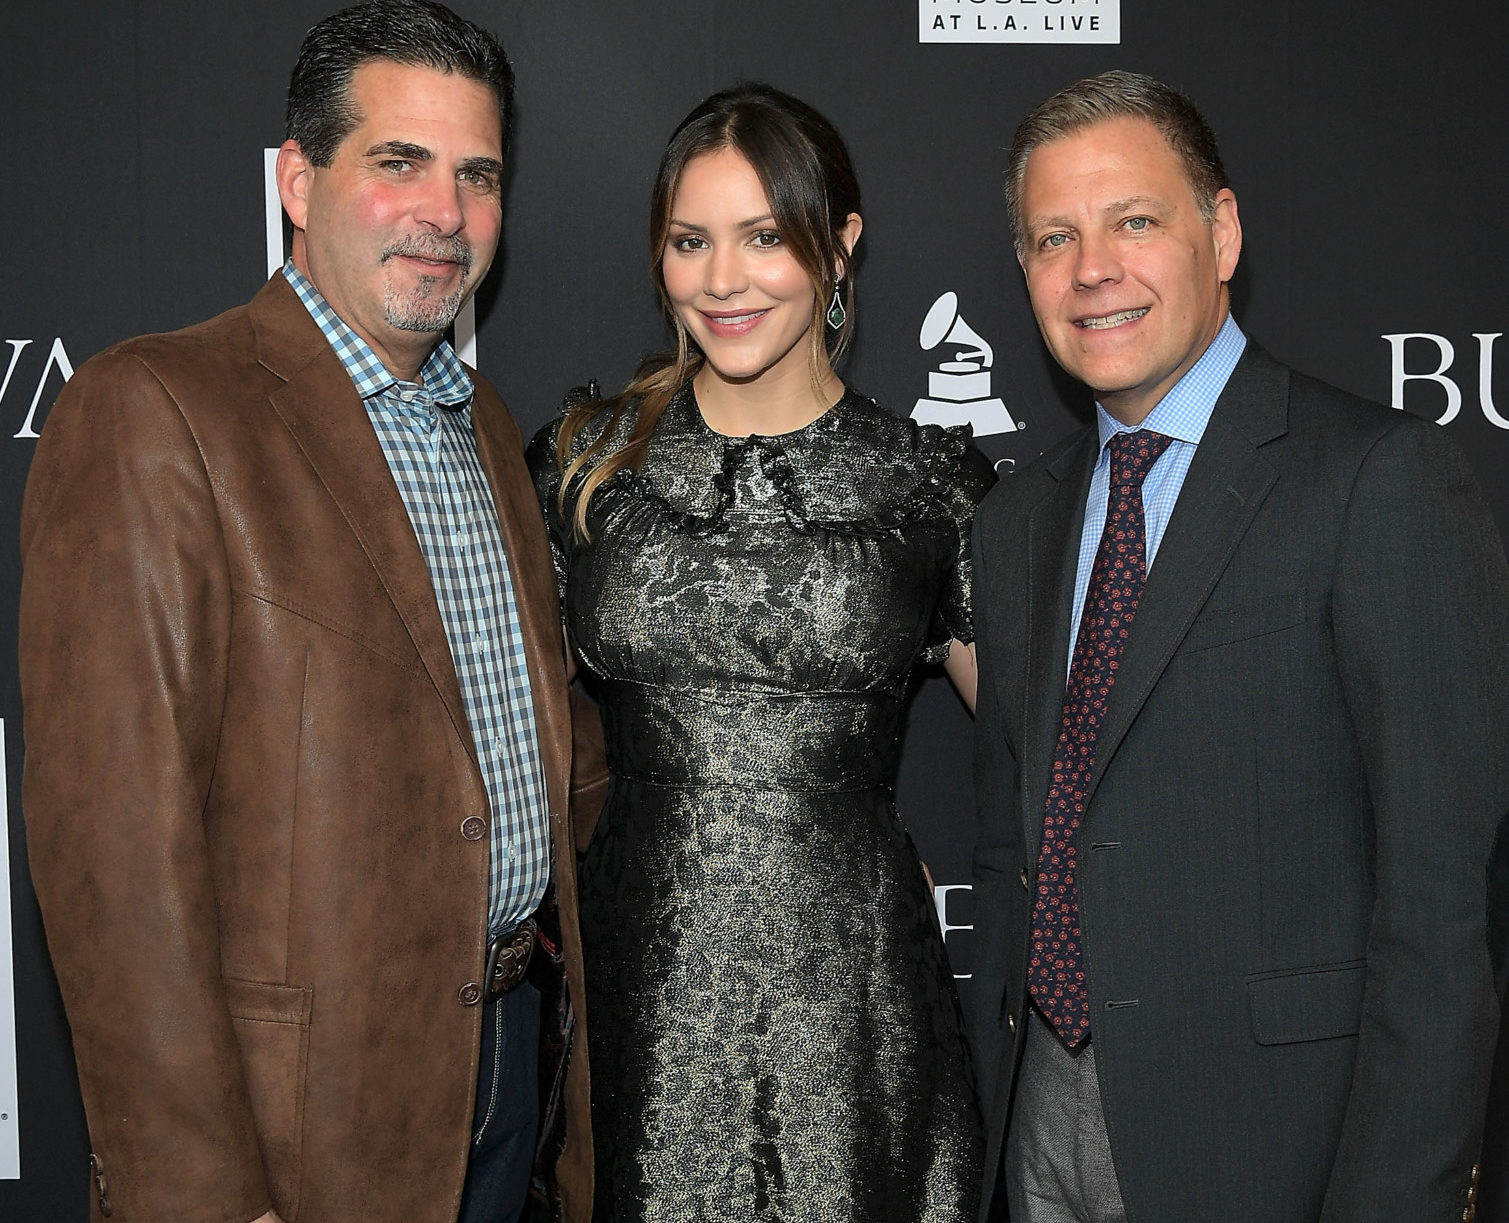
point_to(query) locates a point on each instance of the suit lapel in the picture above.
(1053, 532)
(320, 408)
(533, 574)
(1222, 492)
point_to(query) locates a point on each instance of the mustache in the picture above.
(417, 246)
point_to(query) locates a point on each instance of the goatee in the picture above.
(422, 308)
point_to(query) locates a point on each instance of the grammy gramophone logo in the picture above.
(958, 388)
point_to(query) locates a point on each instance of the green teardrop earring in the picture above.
(837, 315)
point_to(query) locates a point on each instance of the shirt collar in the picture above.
(1184, 412)
(442, 374)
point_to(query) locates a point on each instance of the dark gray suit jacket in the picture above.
(1300, 784)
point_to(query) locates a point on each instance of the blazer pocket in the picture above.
(1245, 620)
(271, 1023)
(1316, 1003)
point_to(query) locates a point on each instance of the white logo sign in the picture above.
(465, 326)
(1445, 355)
(57, 359)
(941, 893)
(10, 1124)
(958, 390)
(1020, 21)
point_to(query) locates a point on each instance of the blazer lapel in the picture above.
(1053, 532)
(320, 408)
(1225, 486)
(533, 574)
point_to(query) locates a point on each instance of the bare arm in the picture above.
(961, 668)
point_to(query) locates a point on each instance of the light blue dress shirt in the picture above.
(1182, 414)
(425, 430)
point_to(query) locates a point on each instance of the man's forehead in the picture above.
(1127, 136)
(393, 101)
(1128, 155)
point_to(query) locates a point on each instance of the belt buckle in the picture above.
(508, 960)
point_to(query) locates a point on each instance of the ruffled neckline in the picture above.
(691, 477)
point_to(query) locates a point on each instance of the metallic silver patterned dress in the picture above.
(774, 1030)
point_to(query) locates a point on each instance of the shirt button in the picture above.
(470, 994)
(473, 827)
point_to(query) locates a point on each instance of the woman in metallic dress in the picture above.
(753, 559)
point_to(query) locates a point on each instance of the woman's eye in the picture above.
(767, 238)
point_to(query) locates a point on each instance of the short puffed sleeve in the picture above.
(960, 476)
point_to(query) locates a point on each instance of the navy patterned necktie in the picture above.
(1056, 974)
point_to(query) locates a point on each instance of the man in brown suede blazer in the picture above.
(260, 825)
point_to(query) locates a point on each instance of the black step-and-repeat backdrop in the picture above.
(1365, 144)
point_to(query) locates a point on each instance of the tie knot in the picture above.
(1133, 454)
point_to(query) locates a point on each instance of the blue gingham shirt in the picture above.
(1182, 414)
(425, 430)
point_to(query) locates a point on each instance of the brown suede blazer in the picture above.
(248, 773)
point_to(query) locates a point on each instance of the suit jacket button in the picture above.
(473, 827)
(1011, 1022)
(1023, 878)
(97, 1166)
(470, 994)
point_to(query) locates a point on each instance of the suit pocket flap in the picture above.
(272, 1028)
(266, 1002)
(1315, 1003)
(1243, 621)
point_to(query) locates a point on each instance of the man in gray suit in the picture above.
(1243, 718)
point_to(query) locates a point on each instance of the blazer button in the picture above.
(96, 1165)
(473, 828)
(470, 994)
(1023, 877)
(1011, 1022)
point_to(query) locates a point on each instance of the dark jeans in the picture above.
(508, 1109)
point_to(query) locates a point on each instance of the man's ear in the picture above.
(1226, 229)
(294, 173)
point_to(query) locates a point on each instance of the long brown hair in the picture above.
(804, 167)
